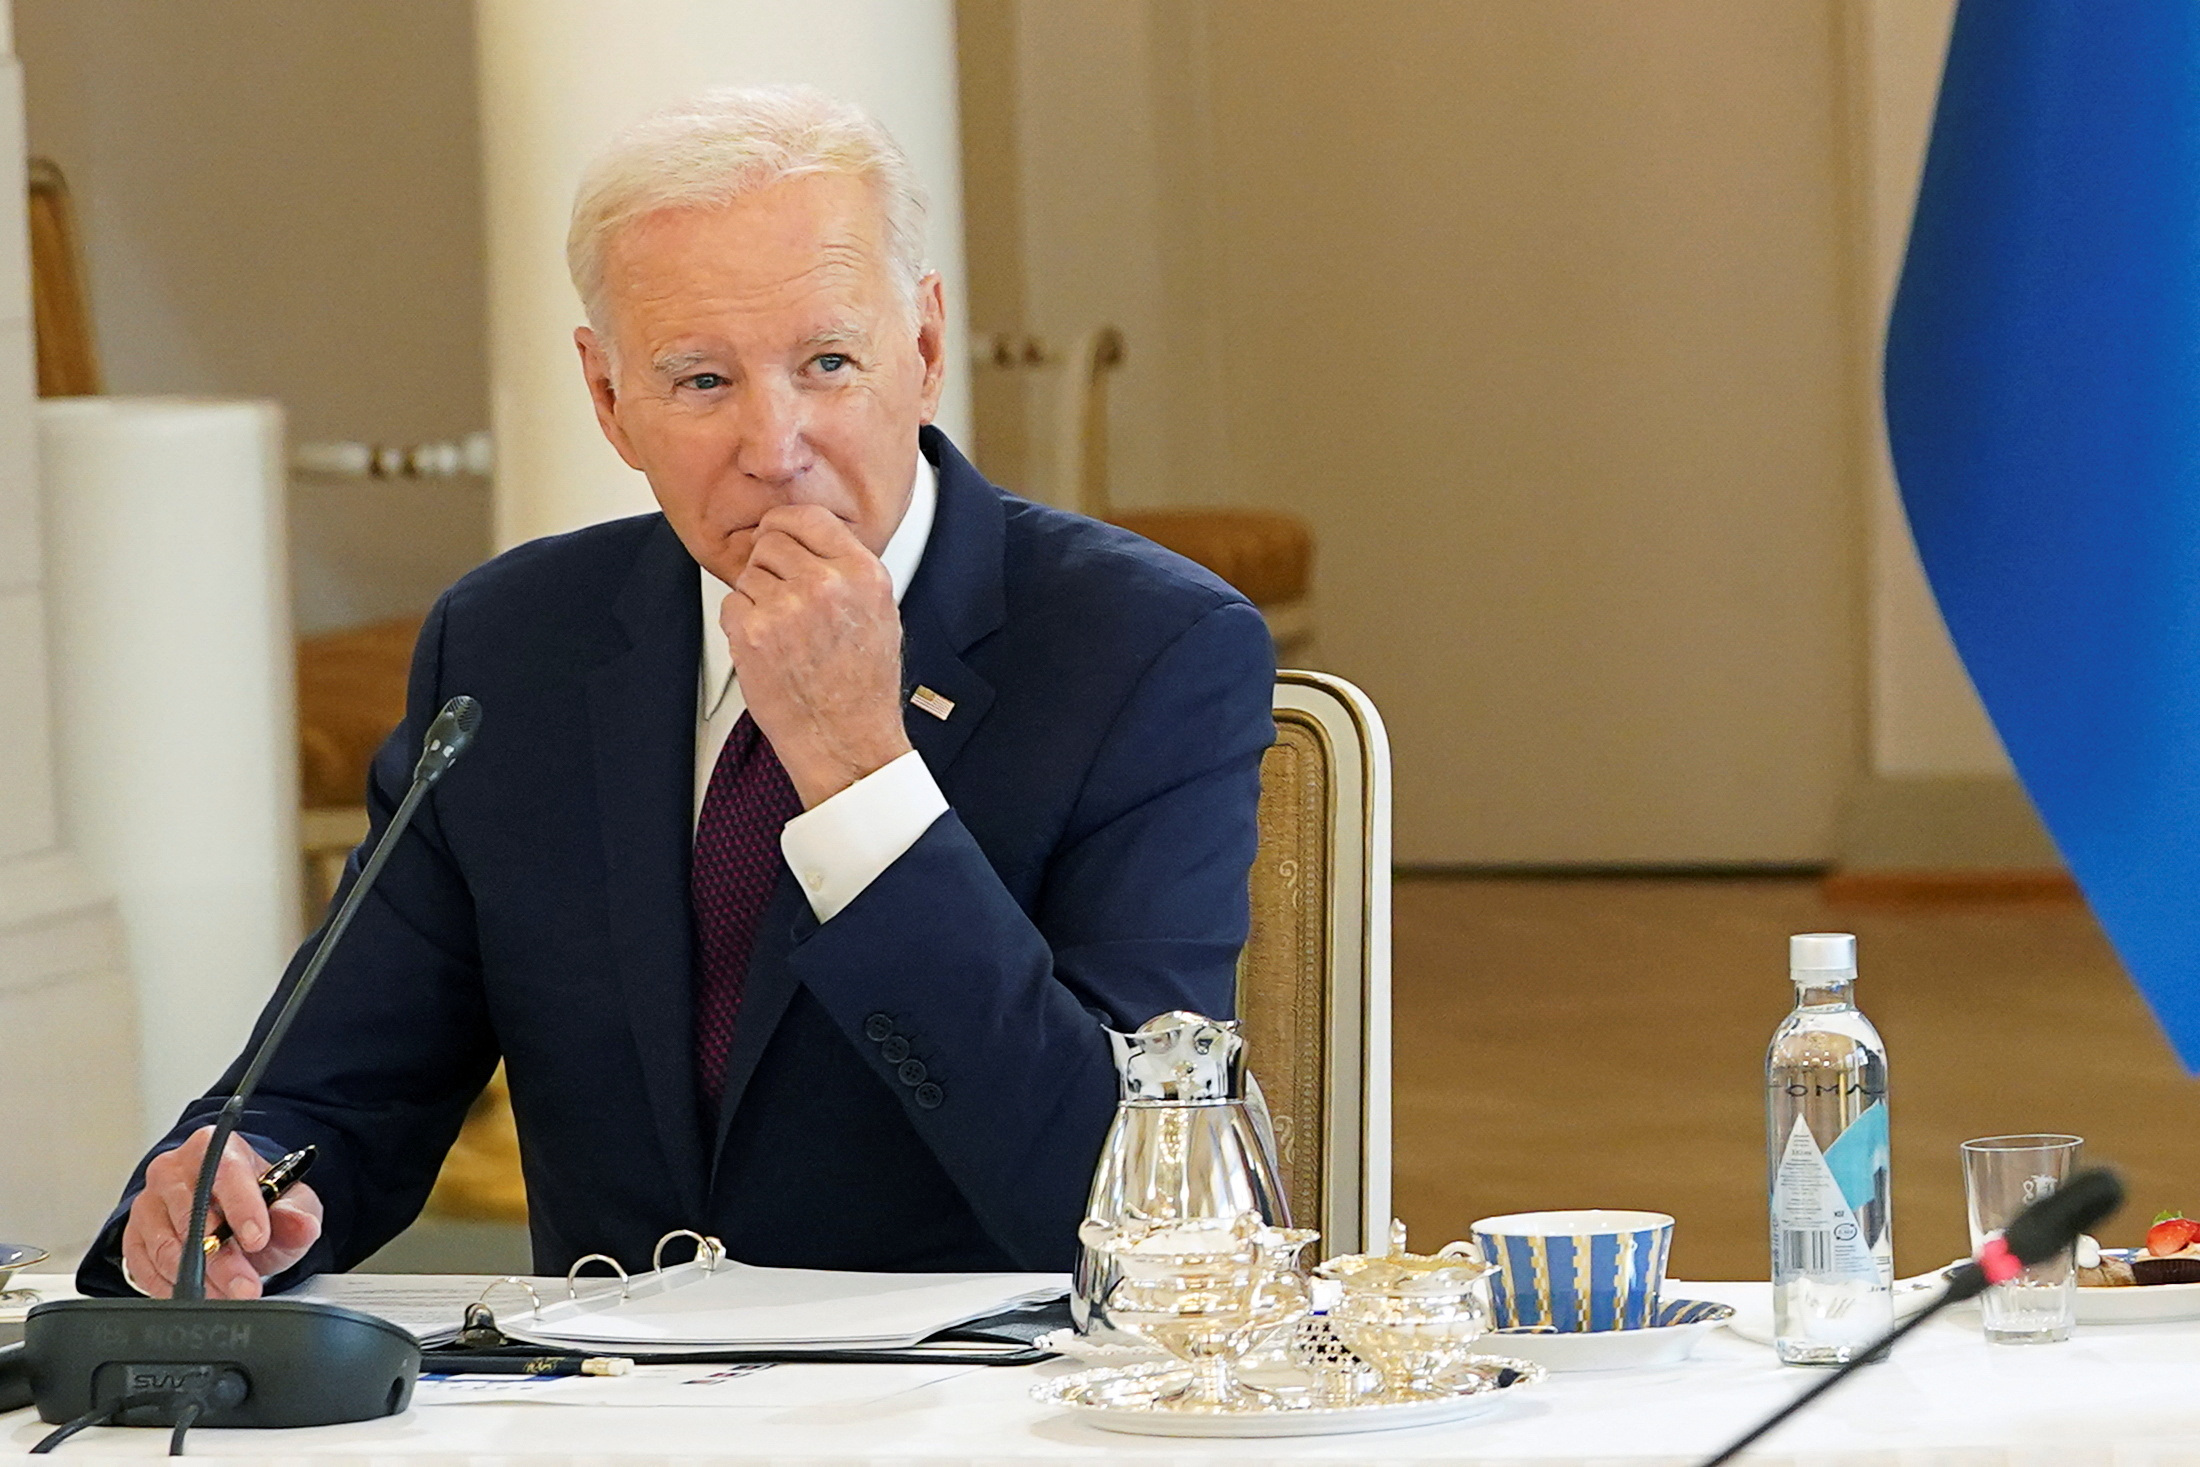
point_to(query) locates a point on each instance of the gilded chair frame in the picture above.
(1314, 982)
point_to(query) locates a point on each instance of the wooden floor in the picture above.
(1577, 1042)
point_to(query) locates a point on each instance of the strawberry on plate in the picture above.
(2170, 1234)
(2172, 1253)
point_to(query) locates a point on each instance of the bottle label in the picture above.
(1817, 1231)
(1858, 1160)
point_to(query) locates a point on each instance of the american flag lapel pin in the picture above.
(936, 704)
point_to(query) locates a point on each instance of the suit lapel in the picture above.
(927, 663)
(956, 599)
(642, 719)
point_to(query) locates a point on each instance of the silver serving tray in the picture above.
(15, 1256)
(1121, 1398)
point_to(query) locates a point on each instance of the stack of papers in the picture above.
(430, 1305)
(743, 1307)
(765, 1387)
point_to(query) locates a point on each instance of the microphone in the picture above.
(2036, 1235)
(190, 1360)
(2039, 1233)
(448, 737)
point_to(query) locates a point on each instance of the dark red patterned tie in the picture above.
(737, 866)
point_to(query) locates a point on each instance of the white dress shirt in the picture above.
(839, 848)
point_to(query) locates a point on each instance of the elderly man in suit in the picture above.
(818, 825)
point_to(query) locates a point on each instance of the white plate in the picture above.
(2139, 1303)
(1111, 1399)
(1617, 1349)
(2129, 1304)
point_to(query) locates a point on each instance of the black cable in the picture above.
(187, 1416)
(99, 1416)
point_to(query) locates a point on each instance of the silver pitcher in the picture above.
(1191, 1139)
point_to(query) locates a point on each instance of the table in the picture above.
(2125, 1396)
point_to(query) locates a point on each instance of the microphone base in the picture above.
(259, 1362)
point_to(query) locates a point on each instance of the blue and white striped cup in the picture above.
(1577, 1272)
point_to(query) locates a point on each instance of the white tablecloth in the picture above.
(2126, 1396)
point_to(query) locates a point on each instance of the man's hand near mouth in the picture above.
(816, 642)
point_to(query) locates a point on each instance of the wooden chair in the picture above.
(351, 693)
(61, 311)
(1314, 980)
(1267, 554)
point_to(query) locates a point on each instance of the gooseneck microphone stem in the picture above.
(1877, 1352)
(187, 1360)
(191, 1267)
(447, 738)
(2035, 1235)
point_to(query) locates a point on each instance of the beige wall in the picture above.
(1095, 225)
(1542, 314)
(283, 200)
(1558, 318)
(1087, 204)
(1925, 719)
(1936, 789)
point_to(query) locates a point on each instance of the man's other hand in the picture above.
(816, 642)
(263, 1240)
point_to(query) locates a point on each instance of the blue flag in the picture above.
(2043, 404)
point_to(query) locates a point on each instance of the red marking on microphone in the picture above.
(1998, 1263)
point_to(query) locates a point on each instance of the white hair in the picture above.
(723, 144)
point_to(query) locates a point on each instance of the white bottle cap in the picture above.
(1822, 952)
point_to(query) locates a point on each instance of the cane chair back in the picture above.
(1314, 980)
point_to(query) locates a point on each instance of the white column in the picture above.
(169, 593)
(68, 1032)
(558, 77)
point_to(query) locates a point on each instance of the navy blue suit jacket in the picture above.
(920, 1083)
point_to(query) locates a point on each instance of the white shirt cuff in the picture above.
(839, 848)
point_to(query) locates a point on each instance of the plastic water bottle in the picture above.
(1826, 1135)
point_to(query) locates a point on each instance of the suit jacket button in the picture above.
(928, 1096)
(877, 1027)
(894, 1050)
(912, 1072)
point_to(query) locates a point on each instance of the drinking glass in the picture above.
(2003, 1175)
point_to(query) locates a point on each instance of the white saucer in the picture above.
(1619, 1349)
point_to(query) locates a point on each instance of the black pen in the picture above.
(274, 1182)
(525, 1365)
